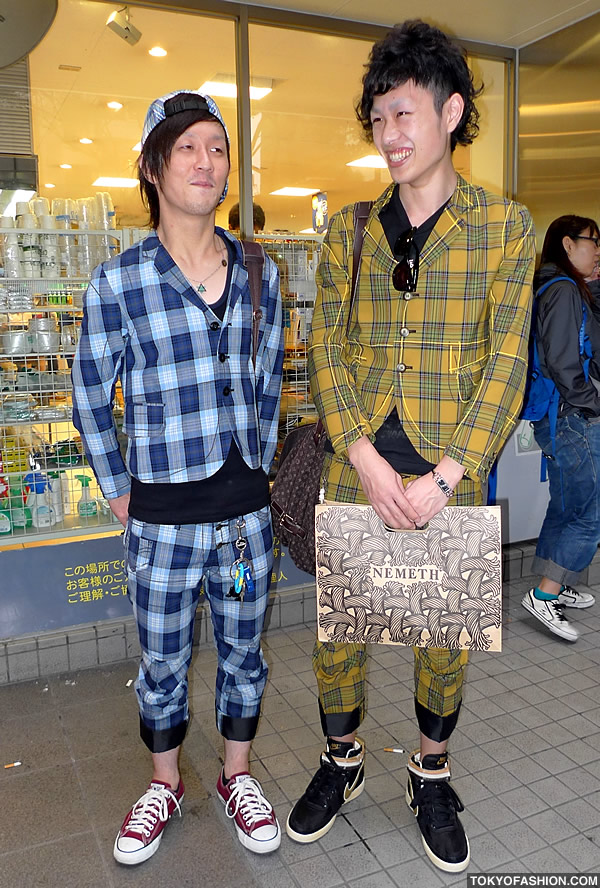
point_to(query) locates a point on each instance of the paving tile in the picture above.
(416, 872)
(48, 802)
(37, 741)
(553, 791)
(580, 781)
(354, 860)
(73, 862)
(551, 823)
(581, 814)
(582, 851)
(316, 872)
(369, 822)
(519, 838)
(492, 813)
(528, 769)
(546, 860)
(523, 801)
(488, 853)
(374, 880)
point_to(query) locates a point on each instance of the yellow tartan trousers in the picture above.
(340, 669)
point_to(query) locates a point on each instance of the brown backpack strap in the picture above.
(361, 214)
(254, 260)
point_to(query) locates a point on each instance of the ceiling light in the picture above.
(295, 192)
(49, 185)
(224, 86)
(115, 182)
(307, 231)
(371, 161)
(66, 166)
(114, 106)
(158, 52)
(85, 141)
(137, 147)
(118, 21)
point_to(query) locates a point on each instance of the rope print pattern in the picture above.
(452, 599)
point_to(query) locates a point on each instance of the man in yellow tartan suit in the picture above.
(419, 391)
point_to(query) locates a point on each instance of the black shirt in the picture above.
(391, 441)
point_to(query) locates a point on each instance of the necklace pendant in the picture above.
(201, 288)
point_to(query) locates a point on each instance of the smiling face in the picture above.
(583, 251)
(193, 180)
(412, 137)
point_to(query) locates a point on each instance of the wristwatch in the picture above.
(443, 484)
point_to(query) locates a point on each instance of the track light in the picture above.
(120, 24)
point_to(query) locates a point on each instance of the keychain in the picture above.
(241, 571)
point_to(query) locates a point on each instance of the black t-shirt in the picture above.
(391, 441)
(235, 489)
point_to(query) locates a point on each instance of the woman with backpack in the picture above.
(567, 337)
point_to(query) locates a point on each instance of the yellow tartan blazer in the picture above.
(451, 357)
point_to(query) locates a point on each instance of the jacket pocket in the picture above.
(143, 419)
(466, 377)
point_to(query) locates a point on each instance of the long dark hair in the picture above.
(157, 151)
(554, 251)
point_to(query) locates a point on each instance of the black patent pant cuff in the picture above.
(240, 729)
(338, 724)
(435, 727)
(163, 741)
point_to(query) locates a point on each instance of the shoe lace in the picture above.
(325, 783)
(439, 801)
(559, 610)
(247, 798)
(152, 806)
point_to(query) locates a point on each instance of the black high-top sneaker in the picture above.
(340, 779)
(436, 807)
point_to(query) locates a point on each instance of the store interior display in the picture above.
(46, 487)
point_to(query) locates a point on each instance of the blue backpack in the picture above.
(541, 394)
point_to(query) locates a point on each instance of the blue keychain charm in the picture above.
(241, 570)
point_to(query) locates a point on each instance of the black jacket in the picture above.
(559, 316)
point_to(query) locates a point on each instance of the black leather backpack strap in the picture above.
(254, 260)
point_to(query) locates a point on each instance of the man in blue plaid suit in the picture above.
(171, 319)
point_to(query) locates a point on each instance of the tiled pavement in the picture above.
(526, 762)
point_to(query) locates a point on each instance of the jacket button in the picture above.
(404, 331)
(401, 367)
(408, 296)
(223, 357)
(227, 390)
(215, 325)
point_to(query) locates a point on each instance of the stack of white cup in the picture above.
(50, 254)
(61, 210)
(10, 249)
(30, 246)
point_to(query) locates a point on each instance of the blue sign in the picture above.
(46, 588)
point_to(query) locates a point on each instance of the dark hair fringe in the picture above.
(156, 152)
(422, 53)
(553, 250)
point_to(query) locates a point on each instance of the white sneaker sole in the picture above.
(570, 634)
(130, 858)
(256, 845)
(437, 861)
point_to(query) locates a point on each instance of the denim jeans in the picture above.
(571, 530)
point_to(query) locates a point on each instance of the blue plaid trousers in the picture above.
(167, 567)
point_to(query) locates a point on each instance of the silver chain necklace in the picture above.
(200, 288)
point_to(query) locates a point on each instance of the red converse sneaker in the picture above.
(142, 829)
(255, 822)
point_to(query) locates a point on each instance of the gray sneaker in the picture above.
(550, 613)
(570, 597)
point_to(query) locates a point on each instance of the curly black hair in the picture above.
(422, 53)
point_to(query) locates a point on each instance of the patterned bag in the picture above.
(295, 491)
